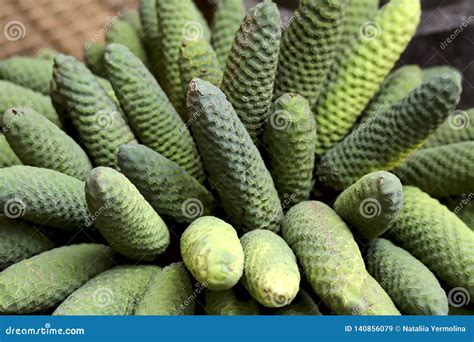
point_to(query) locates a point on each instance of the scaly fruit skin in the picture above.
(212, 252)
(271, 274)
(332, 262)
(437, 237)
(303, 305)
(357, 15)
(358, 76)
(308, 47)
(123, 33)
(114, 292)
(458, 127)
(19, 241)
(168, 292)
(440, 171)
(44, 196)
(249, 75)
(41, 143)
(371, 204)
(32, 73)
(228, 303)
(46, 53)
(100, 124)
(463, 207)
(153, 118)
(170, 190)
(386, 141)
(435, 71)
(123, 217)
(412, 286)
(7, 156)
(225, 23)
(45, 280)
(235, 166)
(94, 57)
(289, 139)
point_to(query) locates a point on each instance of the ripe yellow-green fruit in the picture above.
(7, 156)
(458, 127)
(229, 303)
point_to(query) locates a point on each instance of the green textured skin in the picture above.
(308, 47)
(168, 293)
(132, 17)
(19, 241)
(43, 196)
(225, 23)
(371, 204)
(100, 124)
(121, 32)
(250, 71)
(459, 127)
(302, 305)
(289, 139)
(46, 54)
(12, 95)
(177, 20)
(32, 73)
(123, 217)
(440, 171)
(169, 189)
(271, 274)
(412, 286)
(45, 280)
(429, 73)
(332, 262)
(114, 292)
(386, 141)
(235, 166)
(94, 57)
(7, 156)
(227, 303)
(153, 118)
(39, 142)
(437, 237)
(357, 77)
(463, 207)
(357, 13)
(212, 252)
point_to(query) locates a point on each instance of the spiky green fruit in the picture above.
(357, 77)
(32, 73)
(229, 303)
(7, 156)
(151, 37)
(43, 281)
(39, 142)
(154, 120)
(43, 196)
(357, 16)
(94, 57)
(271, 274)
(47, 54)
(170, 190)
(234, 163)
(100, 124)
(308, 47)
(437, 237)
(123, 217)
(463, 207)
(212, 252)
(169, 293)
(302, 305)
(251, 66)
(458, 127)
(114, 292)
(371, 204)
(332, 262)
(289, 139)
(386, 141)
(411, 285)
(225, 23)
(121, 32)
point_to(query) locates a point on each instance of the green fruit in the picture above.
(303, 305)
(251, 66)
(114, 292)
(153, 118)
(46, 53)
(458, 127)
(332, 262)
(43, 196)
(123, 217)
(412, 286)
(435, 71)
(99, 122)
(225, 23)
(271, 274)
(229, 303)
(289, 139)
(235, 166)
(463, 207)
(7, 156)
(43, 281)
(170, 190)
(440, 171)
(32, 73)
(308, 47)
(19, 241)
(169, 293)
(371, 204)
(357, 77)
(123, 33)
(357, 17)
(386, 141)
(437, 237)
(94, 57)
(132, 17)
(212, 252)
(39, 142)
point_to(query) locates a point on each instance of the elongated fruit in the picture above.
(229, 303)
(94, 57)
(32, 73)
(46, 53)
(463, 207)
(122, 32)
(458, 127)
(357, 18)
(7, 156)
(302, 305)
